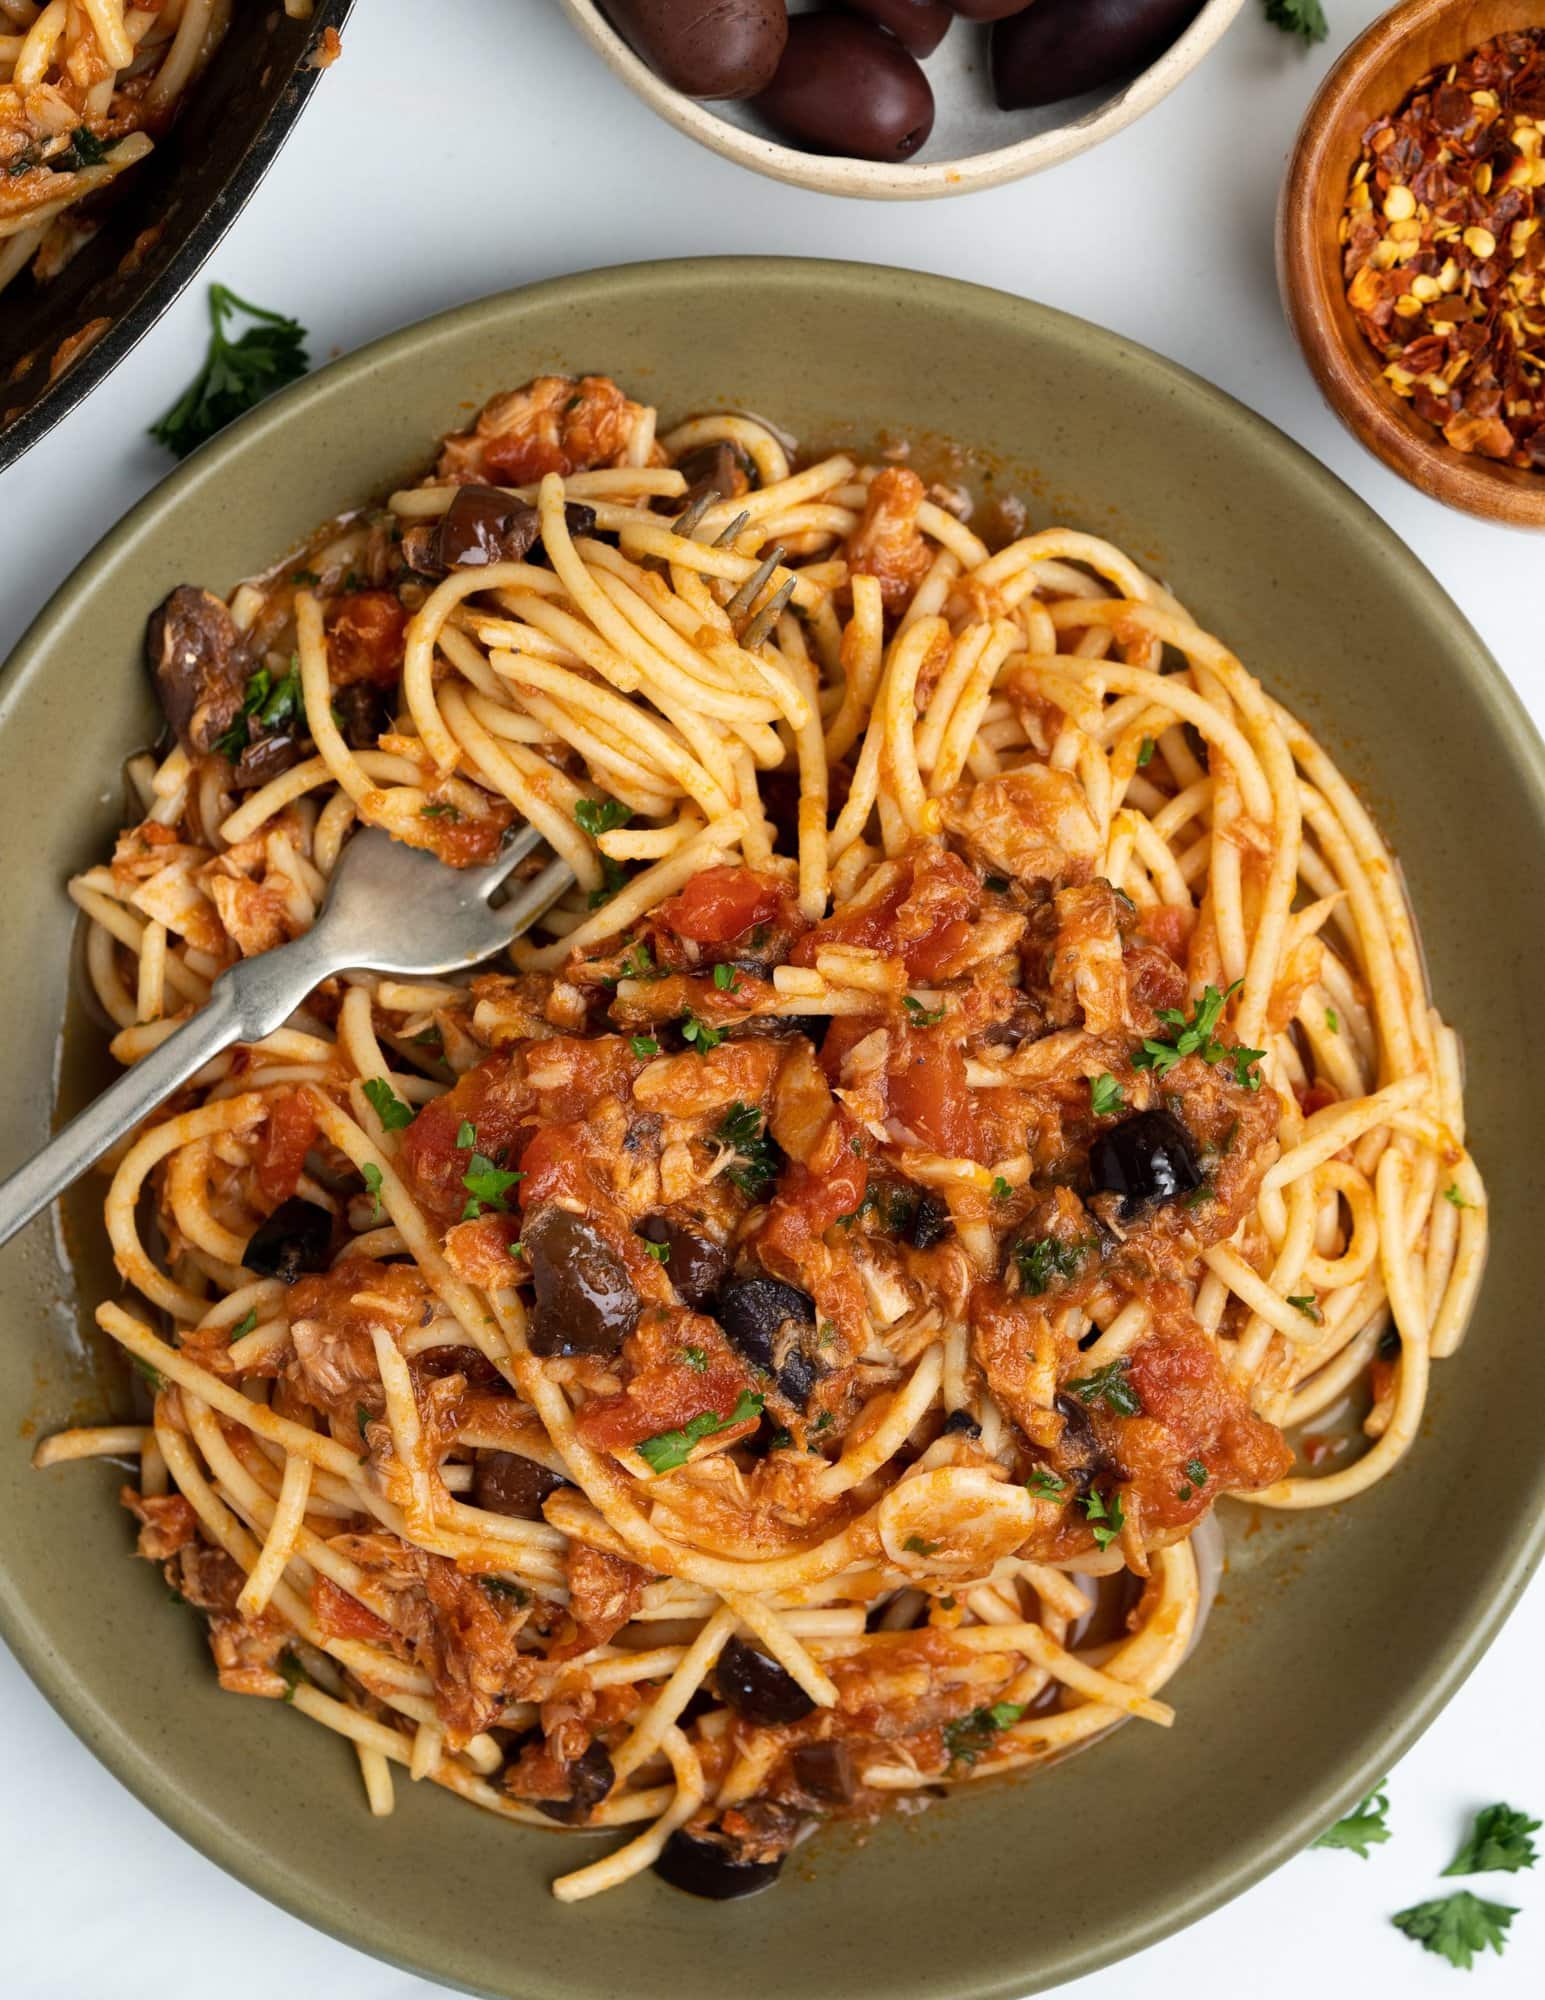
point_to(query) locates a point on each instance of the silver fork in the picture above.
(389, 908)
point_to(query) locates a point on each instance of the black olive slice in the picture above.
(696, 1264)
(824, 1771)
(591, 1777)
(755, 1686)
(585, 1301)
(507, 1482)
(768, 1323)
(297, 1237)
(1149, 1157)
(707, 1868)
(930, 1222)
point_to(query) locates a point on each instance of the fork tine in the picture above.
(685, 524)
(532, 898)
(748, 592)
(767, 617)
(485, 880)
(727, 535)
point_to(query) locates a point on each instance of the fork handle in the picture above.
(247, 1002)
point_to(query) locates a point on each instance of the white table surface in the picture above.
(469, 145)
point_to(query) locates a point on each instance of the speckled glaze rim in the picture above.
(911, 181)
(1502, 1568)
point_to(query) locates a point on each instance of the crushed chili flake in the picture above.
(1444, 248)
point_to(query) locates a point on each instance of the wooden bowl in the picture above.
(1373, 76)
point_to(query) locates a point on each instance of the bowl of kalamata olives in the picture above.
(900, 99)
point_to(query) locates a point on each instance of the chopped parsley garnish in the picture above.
(1046, 1259)
(823, 1421)
(266, 703)
(441, 810)
(293, 1675)
(1363, 1827)
(245, 1326)
(598, 816)
(1499, 1844)
(304, 576)
(1333, 1020)
(386, 1104)
(1046, 1485)
(696, 1359)
(487, 1184)
(1451, 1193)
(361, 1418)
(1193, 1036)
(1105, 1098)
(645, 1046)
(501, 1586)
(922, 1017)
(668, 1449)
(466, 1136)
(1109, 1385)
(638, 963)
(1305, 18)
(1107, 1518)
(1000, 1188)
(236, 375)
(153, 1376)
(698, 1034)
(372, 1175)
(916, 1546)
(757, 1154)
(1196, 1471)
(612, 879)
(1145, 753)
(1308, 1305)
(971, 1736)
(661, 1252)
(84, 150)
(1457, 1927)
(724, 977)
(429, 1038)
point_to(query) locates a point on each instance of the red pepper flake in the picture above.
(1443, 240)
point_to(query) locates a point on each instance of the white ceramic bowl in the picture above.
(973, 144)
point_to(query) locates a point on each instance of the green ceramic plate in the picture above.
(1337, 1637)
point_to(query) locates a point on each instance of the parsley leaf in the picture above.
(466, 1136)
(598, 816)
(236, 375)
(84, 150)
(1499, 1843)
(1145, 753)
(661, 1252)
(1046, 1485)
(696, 1359)
(757, 1155)
(501, 1586)
(487, 1184)
(698, 1033)
(1457, 1927)
(1196, 1472)
(1046, 1259)
(1452, 1194)
(1305, 18)
(668, 1449)
(915, 1545)
(443, 810)
(1108, 1519)
(922, 1017)
(1108, 1385)
(1192, 1037)
(361, 1418)
(724, 977)
(386, 1104)
(1333, 1020)
(1308, 1305)
(645, 1046)
(970, 1736)
(637, 963)
(1000, 1188)
(153, 1376)
(372, 1175)
(1363, 1827)
(245, 1326)
(1105, 1098)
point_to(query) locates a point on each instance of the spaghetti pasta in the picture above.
(764, 1350)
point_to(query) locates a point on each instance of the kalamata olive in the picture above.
(919, 25)
(1146, 1158)
(824, 1771)
(710, 473)
(1084, 1456)
(755, 1686)
(696, 1265)
(590, 1778)
(706, 48)
(362, 712)
(1062, 48)
(988, 10)
(297, 1237)
(930, 1222)
(483, 525)
(707, 1868)
(199, 664)
(268, 756)
(767, 1322)
(845, 86)
(963, 1424)
(585, 1301)
(507, 1482)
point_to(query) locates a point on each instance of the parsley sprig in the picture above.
(1499, 1844)
(1363, 1827)
(1109, 1385)
(266, 704)
(386, 1104)
(486, 1182)
(1196, 1035)
(1457, 1927)
(1106, 1517)
(971, 1736)
(1305, 18)
(1046, 1259)
(236, 375)
(757, 1154)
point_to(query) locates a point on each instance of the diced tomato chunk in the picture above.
(288, 1136)
(497, 1102)
(365, 638)
(660, 1399)
(719, 904)
(923, 916)
(343, 1617)
(929, 1095)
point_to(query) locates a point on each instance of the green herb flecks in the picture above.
(1109, 1385)
(667, 1450)
(386, 1104)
